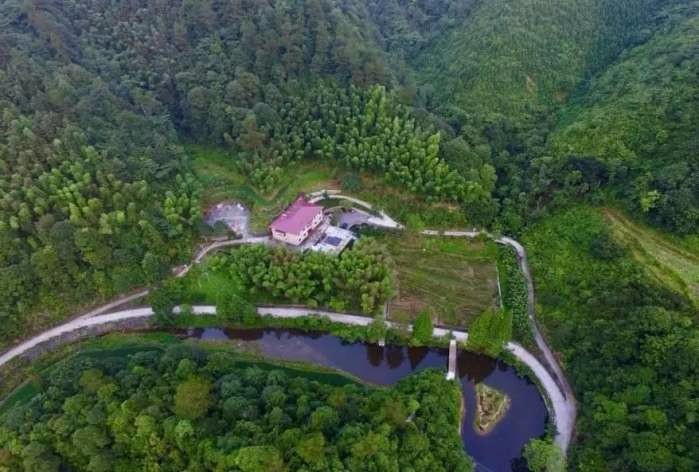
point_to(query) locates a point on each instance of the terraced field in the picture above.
(455, 279)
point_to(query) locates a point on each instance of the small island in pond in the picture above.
(491, 407)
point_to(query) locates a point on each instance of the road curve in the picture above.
(69, 327)
(180, 271)
(559, 392)
(383, 221)
(562, 398)
(557, 402)
(564, 437)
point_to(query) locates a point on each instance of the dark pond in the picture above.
(500, 450)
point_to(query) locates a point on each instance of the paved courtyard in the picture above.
(351, 218)
(232, 214)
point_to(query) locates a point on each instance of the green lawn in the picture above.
(672, 261)
(216, 170)
(205, 285)
(453, 278)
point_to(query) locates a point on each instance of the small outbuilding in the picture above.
(334, 240)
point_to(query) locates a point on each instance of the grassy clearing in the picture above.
(455, 279)
(673, 262)
(409, 208)
(216, 170)
(203, 284)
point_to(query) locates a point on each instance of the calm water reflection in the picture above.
(498, 451)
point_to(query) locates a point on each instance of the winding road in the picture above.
(566, 427)
(557, 402)
(560, 396)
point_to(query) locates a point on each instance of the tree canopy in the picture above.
(358, 279)
(187, 409)
(629, 345)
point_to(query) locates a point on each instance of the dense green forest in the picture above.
(96, 97)
(639, 119)
(362, 129)
(358, 279)
(96, 195)
(508, 111)
(184, 408)
(518, 59)
(630, 346)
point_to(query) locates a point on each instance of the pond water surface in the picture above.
(500, 450)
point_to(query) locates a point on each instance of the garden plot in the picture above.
(455, 279)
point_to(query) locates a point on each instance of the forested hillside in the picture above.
(519, 58)
(506, 111)
(640, 117)
(95, 192)
(630, 346)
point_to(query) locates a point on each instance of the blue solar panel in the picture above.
(332, 240)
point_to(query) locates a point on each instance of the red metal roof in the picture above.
(296, 217)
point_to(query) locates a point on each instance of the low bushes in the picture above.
(490, 332)
(513, 289)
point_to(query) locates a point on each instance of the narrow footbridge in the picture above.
(451, 373)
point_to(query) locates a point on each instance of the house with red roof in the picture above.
(296, 222)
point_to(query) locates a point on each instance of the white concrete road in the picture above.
(71, 326)
(110, 306)
(568, 409)
(383, 220)
(553, 380)
(180, 271)
(560, 393)
(557, 401)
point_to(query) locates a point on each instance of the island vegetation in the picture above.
(491, 408)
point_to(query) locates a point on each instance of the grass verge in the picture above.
(673, 262)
